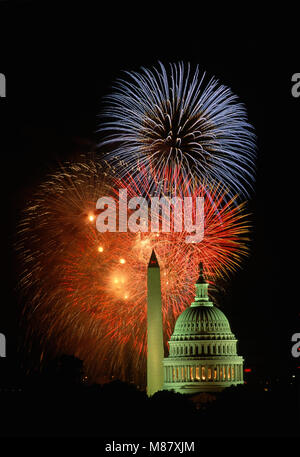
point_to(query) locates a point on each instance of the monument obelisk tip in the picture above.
(153, 262)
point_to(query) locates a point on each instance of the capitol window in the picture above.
(209, 374)
(203, 374)
(191, 373)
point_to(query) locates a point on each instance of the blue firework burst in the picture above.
(171, 119)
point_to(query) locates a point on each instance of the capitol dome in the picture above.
(207, 320)
(203, 350)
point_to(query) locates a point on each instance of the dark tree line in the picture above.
(58, 402)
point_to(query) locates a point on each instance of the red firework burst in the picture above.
(86, 290)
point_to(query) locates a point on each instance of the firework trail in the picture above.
(85, 291)
(171, 118)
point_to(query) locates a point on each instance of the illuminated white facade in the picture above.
(155, 344)
(203, 350)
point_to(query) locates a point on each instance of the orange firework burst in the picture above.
(86, 290)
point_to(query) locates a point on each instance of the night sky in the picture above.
(58, 64)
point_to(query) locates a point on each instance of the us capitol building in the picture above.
(203, 350)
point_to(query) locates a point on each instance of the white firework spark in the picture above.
(173, 120)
